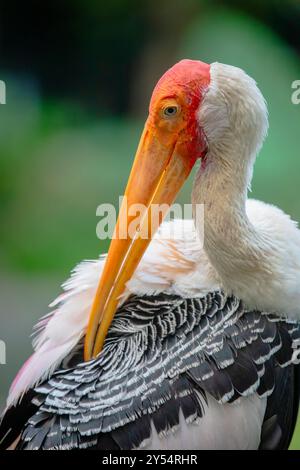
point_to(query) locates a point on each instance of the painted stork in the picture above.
(181, 344)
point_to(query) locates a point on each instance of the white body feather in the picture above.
(229, 426)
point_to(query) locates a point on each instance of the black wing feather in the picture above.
(162, 355)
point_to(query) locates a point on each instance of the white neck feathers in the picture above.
(234, 118)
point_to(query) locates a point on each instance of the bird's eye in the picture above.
(170, 111)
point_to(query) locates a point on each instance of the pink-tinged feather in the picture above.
(59, 332)
(37, 368)
(21, 372)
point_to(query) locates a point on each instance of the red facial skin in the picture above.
(185, 84)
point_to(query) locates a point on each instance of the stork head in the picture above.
(173, 139)
(173, 109)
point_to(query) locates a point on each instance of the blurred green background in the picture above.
(79, 75)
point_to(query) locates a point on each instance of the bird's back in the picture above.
(175, 372)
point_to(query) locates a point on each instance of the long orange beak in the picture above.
(158, 173)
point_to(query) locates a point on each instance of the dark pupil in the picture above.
(171, 110)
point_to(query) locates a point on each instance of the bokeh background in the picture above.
(79, 76)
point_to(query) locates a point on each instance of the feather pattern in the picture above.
(164, 358)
